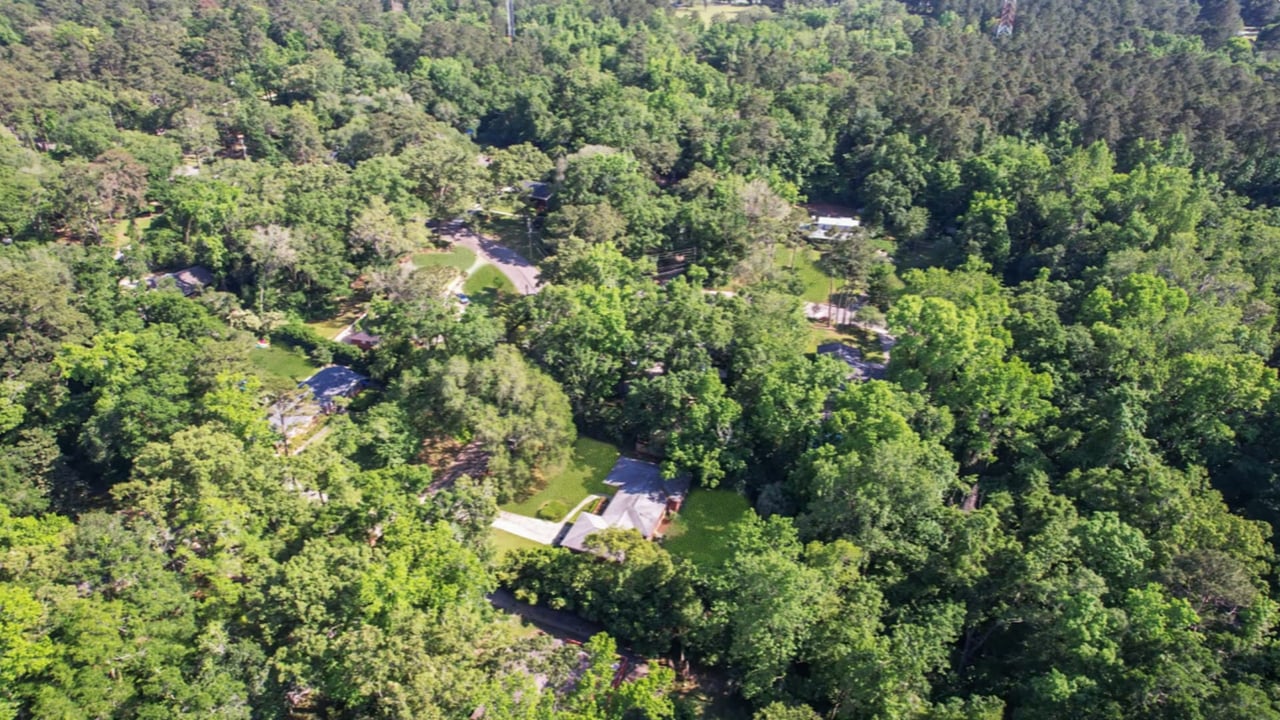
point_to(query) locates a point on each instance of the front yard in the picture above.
(486, 283)
(583, 475)
(817, 284)
(457, 257)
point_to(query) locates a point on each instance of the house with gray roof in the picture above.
(189, 281)
(293, 415)
(643, 502)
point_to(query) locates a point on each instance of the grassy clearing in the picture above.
(817, 283)
(283, 362)
(698, 531)
(583, 475)
(120, 235)
(486, 282)
(330, 327)
(456, 257)
(709, 12)
(505, 542)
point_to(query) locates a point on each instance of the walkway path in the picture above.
(522, 273)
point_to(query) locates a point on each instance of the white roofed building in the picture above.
(826, 228)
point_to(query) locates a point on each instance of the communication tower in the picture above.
(1007, 12)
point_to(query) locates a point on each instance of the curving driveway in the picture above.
(522, 273)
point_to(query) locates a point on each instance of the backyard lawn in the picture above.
(121, 233)
(283, 362)
(330, 327)
(505, 542)
(817, 284)
(458, 257)
(698, 531)
(583, 475)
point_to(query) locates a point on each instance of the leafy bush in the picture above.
(317, 346)
(553, 510)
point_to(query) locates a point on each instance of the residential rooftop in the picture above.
(641, 503)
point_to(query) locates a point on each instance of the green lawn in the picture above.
(458, 257)
(583, 475)
(283, 362)
(816, 282)
(698, 531)
(505, 542)
(486, 283)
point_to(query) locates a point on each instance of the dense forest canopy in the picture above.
(1050, 491)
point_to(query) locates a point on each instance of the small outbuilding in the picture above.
(362, 340)
(539, 193)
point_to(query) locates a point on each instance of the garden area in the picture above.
(698, 533)
(583, 475)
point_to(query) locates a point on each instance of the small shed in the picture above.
(539, 193)
(362, 340)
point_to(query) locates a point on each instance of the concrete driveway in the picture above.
(540, 531)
